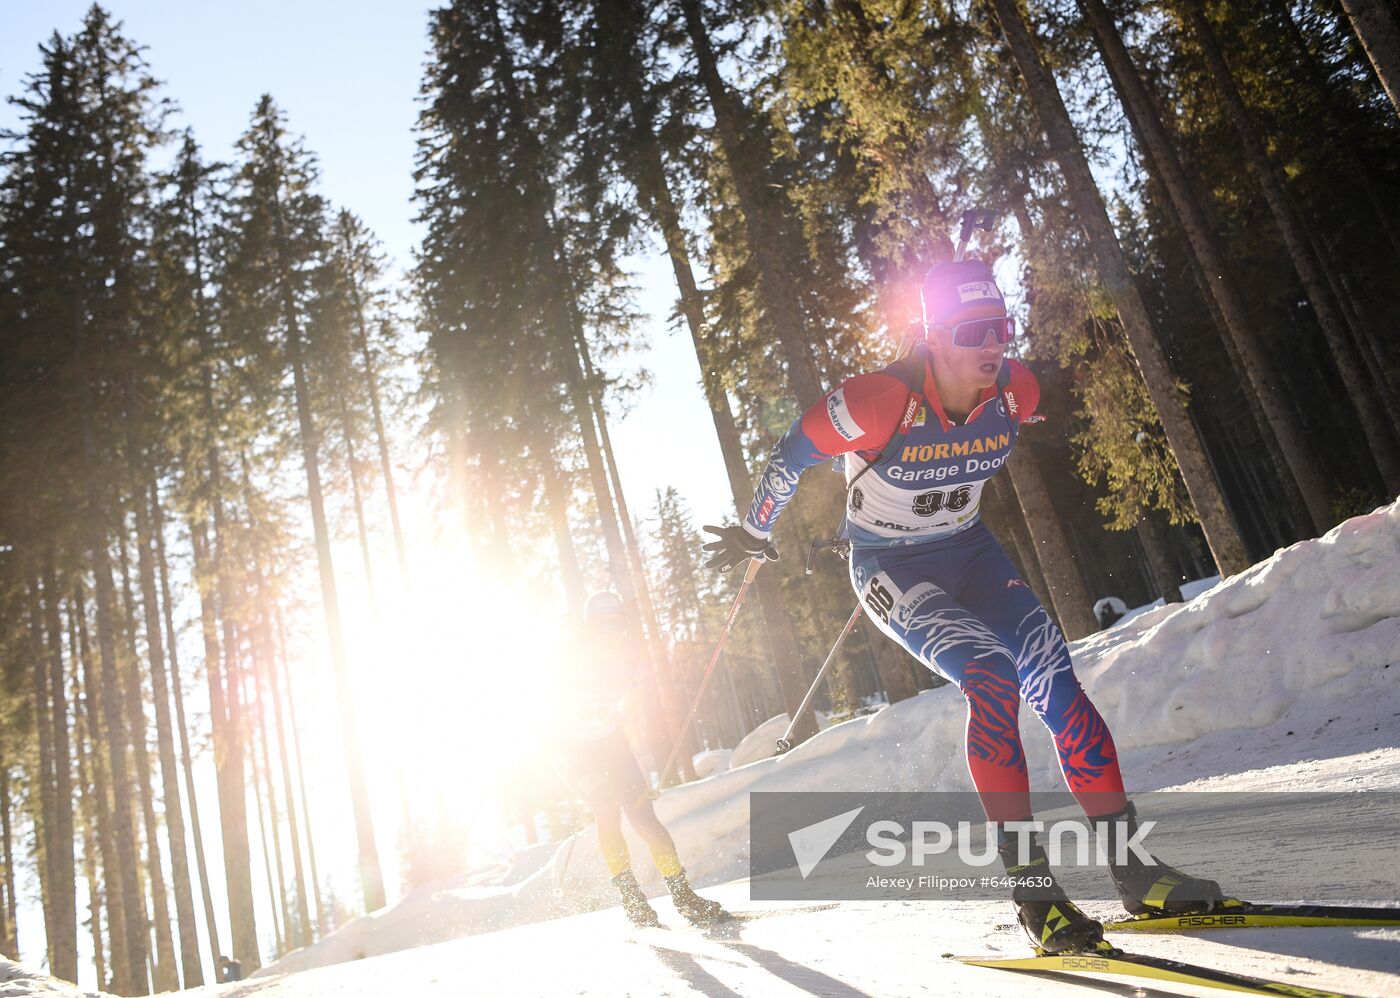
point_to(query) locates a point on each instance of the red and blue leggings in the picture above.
(959, 606)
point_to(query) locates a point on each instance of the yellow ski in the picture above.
(1236, 914)
(1107, 959)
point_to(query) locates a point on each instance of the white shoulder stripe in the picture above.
(840, 416)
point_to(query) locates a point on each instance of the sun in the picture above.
(452, 673)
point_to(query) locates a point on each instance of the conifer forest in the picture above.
(294, 532)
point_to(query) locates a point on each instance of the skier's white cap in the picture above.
(603, 604)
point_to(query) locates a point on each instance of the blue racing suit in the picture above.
(932, 576)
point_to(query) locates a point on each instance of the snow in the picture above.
(16, 982)
(712, 762)
(1300, 651)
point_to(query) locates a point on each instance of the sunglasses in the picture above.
(974, 332)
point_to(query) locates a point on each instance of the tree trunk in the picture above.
(41, 798)
(1286, 490)
(9, 934)
(1365, 335)
(556, 499)
(132, 978)
(1072, 603)
(1159, 560)
(65, 888)
(352, 462)
(1182, 436)
(85, 742)
(212, 583)
(386, 466)
(165, 743)
(124, 866)
(656, 195)
(228, 755)
(301, 774)
(186, 760)
(95, 715)
(1384, 450)
(1261, 374)
(291, 933)
(276, 901)
(1005, 517)
(371, 877)
(269, 690)
(1375, 25)
(165, 976)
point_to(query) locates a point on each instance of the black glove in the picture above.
(735, 546)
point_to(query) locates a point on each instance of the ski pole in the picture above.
(564, 864)
(754, 565)
(785, 742)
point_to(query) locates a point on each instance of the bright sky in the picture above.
(347, 76)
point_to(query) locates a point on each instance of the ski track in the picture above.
(855, 949)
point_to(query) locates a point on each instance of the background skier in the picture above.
(596, 761)
(921, 438)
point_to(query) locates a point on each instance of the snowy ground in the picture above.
(852, 949)
(1286, 676)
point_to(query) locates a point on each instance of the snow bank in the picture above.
(761, 741)
(1297, 642)
(16, 982)
(712, 762)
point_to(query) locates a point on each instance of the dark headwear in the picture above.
(960, 290)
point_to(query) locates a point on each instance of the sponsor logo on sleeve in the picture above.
(910, 602)
(840, 416)
(978, 291)
(913, 415)
(857, 499)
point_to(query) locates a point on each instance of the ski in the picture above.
(1108, 959)
(748, 916)
(1236, 914)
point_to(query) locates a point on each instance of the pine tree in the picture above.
(1224, 538)
(1376, 25)
(279, 242)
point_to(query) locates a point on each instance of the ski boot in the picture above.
(1053, 923)
(698, 911)
(634, 902)
(1151, 887)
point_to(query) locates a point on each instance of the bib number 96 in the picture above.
(953, 500)
(879, 599)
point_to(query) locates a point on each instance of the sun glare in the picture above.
(448, 671)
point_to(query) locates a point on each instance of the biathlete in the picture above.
(596, 761)
(921, 438)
